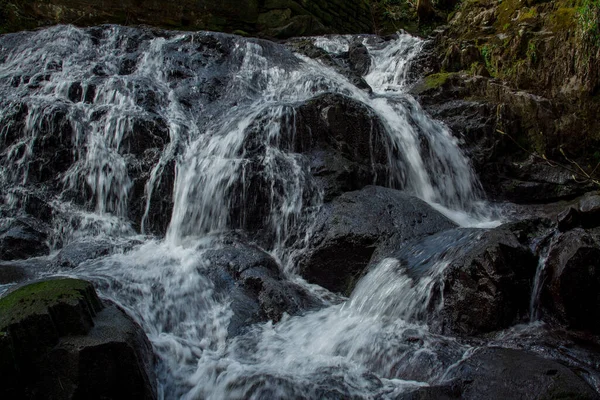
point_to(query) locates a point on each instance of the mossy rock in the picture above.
(59, 341)
(36, 315)
(432, 82)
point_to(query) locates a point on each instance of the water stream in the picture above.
(199, 98)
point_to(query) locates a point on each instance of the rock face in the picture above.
(486, 287)
(60, 341)
(22, 238)
(349, 229)
(259, 290)
(495, 373)
(511, 92)
(463, 281)
(273, 18)
(345, 142)
(572, 291)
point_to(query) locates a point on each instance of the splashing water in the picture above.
(221, 111)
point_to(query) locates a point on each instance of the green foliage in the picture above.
(589, 20)
(531, 52)
(486, 52)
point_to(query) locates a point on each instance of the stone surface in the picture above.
(572, 290)
(349, 229)
(60, 341)
(258, 289)
(344, 141)
(484, 283)
(496, 373)
(22, 238)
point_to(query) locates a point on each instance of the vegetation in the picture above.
(589, 20)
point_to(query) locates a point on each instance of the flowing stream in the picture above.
(202, 97)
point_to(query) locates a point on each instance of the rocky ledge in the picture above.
(59, 340)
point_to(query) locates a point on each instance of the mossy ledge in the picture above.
(58, 340)
(69, 303)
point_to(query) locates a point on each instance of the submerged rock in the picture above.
(496, 373)
(60, 341)
(349, 229)
(259, 291)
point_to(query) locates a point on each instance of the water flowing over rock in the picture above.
(226, 192)
(349, 229)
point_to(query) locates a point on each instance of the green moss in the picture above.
(436, 80)
(563, 19)
(37, 297)
(528, 14)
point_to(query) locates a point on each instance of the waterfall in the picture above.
(136, 134)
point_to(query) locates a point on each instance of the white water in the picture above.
(371, 345)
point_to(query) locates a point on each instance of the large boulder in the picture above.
(461, 281)
(345, 141)
(349, 229)
(251, 278)
(60, 341)
(343, 145)
(496, 373)
(485, 287)
(572, 289)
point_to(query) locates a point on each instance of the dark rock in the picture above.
(349, 229)
(75, 92)
(61, 342)
(572, 289)
(22, 238)
(589, 210)
(76, 253)
(486, 287)
(531, 232)
(254, 282)
(340, 62)
(345, 142)
(359, 58)
(12, 273)
(568, 219)
(496, 373)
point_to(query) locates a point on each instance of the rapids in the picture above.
(204, 96)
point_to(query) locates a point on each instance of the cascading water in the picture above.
(218, 114)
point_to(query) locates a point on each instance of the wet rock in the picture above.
(480, 279)
(76, 253)
(339, 62)
(61, 342)
(253, 280)
(12, 273)
(487, 287)
(344, 141)
(496, 373)
(75, 92)
(359, 58)
(22, 238)
(572, 290)
(568, 219)
(585, 213)
(349, 229)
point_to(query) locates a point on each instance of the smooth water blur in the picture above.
(213, 92)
